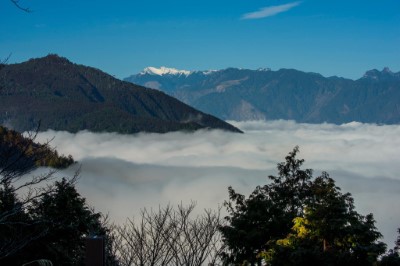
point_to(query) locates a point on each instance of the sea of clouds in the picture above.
(120, 174)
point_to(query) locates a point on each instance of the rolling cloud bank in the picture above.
(120, 174)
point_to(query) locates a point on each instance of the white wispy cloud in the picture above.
(270, 11)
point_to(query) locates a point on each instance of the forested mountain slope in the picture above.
(66, 96)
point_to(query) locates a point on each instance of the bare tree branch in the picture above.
(170, 237)
(18, 5)
(5, 60)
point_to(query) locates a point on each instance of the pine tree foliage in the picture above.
(297, 219)
(66, 220)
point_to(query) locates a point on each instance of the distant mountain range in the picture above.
(243, 94)
(71, 97)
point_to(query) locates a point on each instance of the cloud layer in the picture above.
(270, 11)
(123, 173)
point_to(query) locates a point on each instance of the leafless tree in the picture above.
(144, 242)
(195, 240)
(170, 237)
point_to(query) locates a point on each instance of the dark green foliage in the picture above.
(392, 258)
(66, 220)
(267, 213)
(17, 229)
(299, 220)
(249, 225)
(329, 232)
(66, 96)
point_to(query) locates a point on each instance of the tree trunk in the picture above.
(326, 245)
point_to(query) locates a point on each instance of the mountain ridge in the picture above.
(244, 94)
(68, 96)
(163, 70)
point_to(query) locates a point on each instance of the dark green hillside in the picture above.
(71, 97)
(19, 153)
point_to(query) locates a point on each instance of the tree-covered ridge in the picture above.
(23, 153)
(72, 97)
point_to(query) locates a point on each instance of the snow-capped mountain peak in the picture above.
(264, 69)
(164, 71)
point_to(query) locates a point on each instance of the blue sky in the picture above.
(121, 37)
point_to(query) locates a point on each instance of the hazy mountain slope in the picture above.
(375, 98)
(67, 96)
(242, 94)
